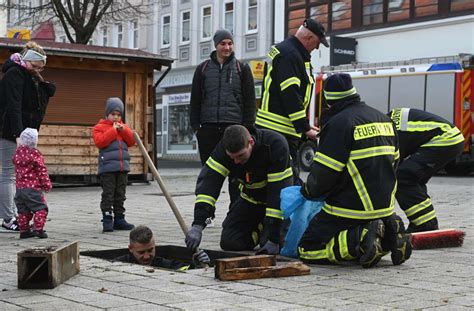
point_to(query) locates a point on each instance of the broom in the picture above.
(437, 239)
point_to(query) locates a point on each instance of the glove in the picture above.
(193, 237)
(269, 248)
(200, 259)
(304, 192)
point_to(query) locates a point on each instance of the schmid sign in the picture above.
(343, 51)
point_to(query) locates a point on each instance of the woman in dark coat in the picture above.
(24, 96)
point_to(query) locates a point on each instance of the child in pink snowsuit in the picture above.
(31, 179)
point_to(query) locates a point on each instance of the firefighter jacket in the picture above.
(287, 89)
(354, 167)
(417, 128)
(261, 179)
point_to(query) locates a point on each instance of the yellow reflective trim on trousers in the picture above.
(216, 166)
(184, 268)
(339, 95)
(255, 237)
(250, 199)
(267, 81)
(422, 219)
(274, 177)
(312, 255)
(298, 115)
(375, 129)
(356, 214)
(330, 251)
(343, 247)
(397, 155)
(452, 137)
(276, 127)
(256, 185)
(289, 82)
(275, 213)
(203, 198)
(372, 152)
(328, 161)
(360, 186)
(275, 117)
(418, 207)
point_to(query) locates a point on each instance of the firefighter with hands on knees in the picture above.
(260, 161)
(427, 143)
(354, 172)
(142, 251)
(288, 86)
(223, 93)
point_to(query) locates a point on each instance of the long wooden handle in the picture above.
(160, 182)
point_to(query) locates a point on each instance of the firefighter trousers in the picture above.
(243, 226)
(413, 174)
(331, 239)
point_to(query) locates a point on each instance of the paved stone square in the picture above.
(431, 279)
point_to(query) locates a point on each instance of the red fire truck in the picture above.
(443, 86)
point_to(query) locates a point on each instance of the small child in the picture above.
(31, 179)
(113, 137)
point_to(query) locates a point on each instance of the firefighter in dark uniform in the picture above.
(427, 143)
(288, 86)
(354, 171)
(261, 163)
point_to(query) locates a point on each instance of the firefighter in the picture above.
(261, 163)
(427, 143)
(288, 85)
(354, 171)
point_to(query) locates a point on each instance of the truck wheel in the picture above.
(306, 154)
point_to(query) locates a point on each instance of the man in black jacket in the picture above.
(223, 93)
(427, 143)
(354, 171)
(288, 86)
(260, 161)
(142, 252)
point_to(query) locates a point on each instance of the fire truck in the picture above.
(442, 85)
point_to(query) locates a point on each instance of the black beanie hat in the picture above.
(222, 34)
(113, 104)
(338, 86)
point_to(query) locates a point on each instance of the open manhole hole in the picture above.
(179, 253)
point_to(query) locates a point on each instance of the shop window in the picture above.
(180, 133)
(426, 7)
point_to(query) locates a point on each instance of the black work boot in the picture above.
(27, 234)
(396, 240)
(107, 222)
(427, 226)
(371, 244)
(121, 224)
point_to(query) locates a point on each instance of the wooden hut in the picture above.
(85, 77)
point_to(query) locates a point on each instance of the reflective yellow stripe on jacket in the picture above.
(216, 166)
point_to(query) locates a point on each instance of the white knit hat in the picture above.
(29, 137)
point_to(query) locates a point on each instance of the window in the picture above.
(460, 5)
(229, 16)
(206, 23)
(104, 36)
(398, 10)
(185, 26)
(426, 7)
(165, 3)
(252, 16)
(341, 15)
(133, 35)
(295, 20)
(372, 12)
(165, 30)
(321, 14)
(119, 35)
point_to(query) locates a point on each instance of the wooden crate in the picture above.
(47, 267)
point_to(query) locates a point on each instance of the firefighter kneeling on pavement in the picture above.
(261, 163)
(354, 172)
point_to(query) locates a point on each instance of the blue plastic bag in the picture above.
(300, 211)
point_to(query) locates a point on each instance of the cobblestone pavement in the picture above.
(431, 279)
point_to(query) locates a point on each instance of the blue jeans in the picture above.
(7, 179)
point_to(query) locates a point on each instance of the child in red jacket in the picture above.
(31, 179)
(113, 137)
